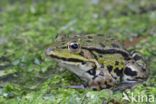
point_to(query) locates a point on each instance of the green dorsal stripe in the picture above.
(125, 54)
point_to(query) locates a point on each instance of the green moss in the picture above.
(27, 28)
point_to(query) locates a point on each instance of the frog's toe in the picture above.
(77, 86)
(125, 85)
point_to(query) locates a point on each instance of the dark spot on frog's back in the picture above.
(129, 72)
(118, 71)
(116, 62)
(109, 67)
(115, 45)
(89, 37)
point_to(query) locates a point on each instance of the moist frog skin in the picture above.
(99, 61)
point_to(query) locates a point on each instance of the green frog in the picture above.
(101, 62)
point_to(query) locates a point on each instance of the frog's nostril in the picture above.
(49, 50)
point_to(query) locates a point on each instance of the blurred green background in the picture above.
(27, 27)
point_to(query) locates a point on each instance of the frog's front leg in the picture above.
(97, 84)
(103, 80)
(83, 86)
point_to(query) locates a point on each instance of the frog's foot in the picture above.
(125, 85)
(77, 86)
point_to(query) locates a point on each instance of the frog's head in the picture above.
(69, 54)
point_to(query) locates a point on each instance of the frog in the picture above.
(101, 62)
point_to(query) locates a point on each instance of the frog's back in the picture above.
(98, 59)
(97, 40)
(119, 62)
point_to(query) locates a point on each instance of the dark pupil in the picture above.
(74, 46)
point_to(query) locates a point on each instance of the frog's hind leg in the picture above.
(133, 73)
(136, 56)
(77, 86)
(140, 64)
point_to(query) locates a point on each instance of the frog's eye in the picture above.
(74, 47)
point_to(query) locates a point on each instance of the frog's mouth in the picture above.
(71, 58)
